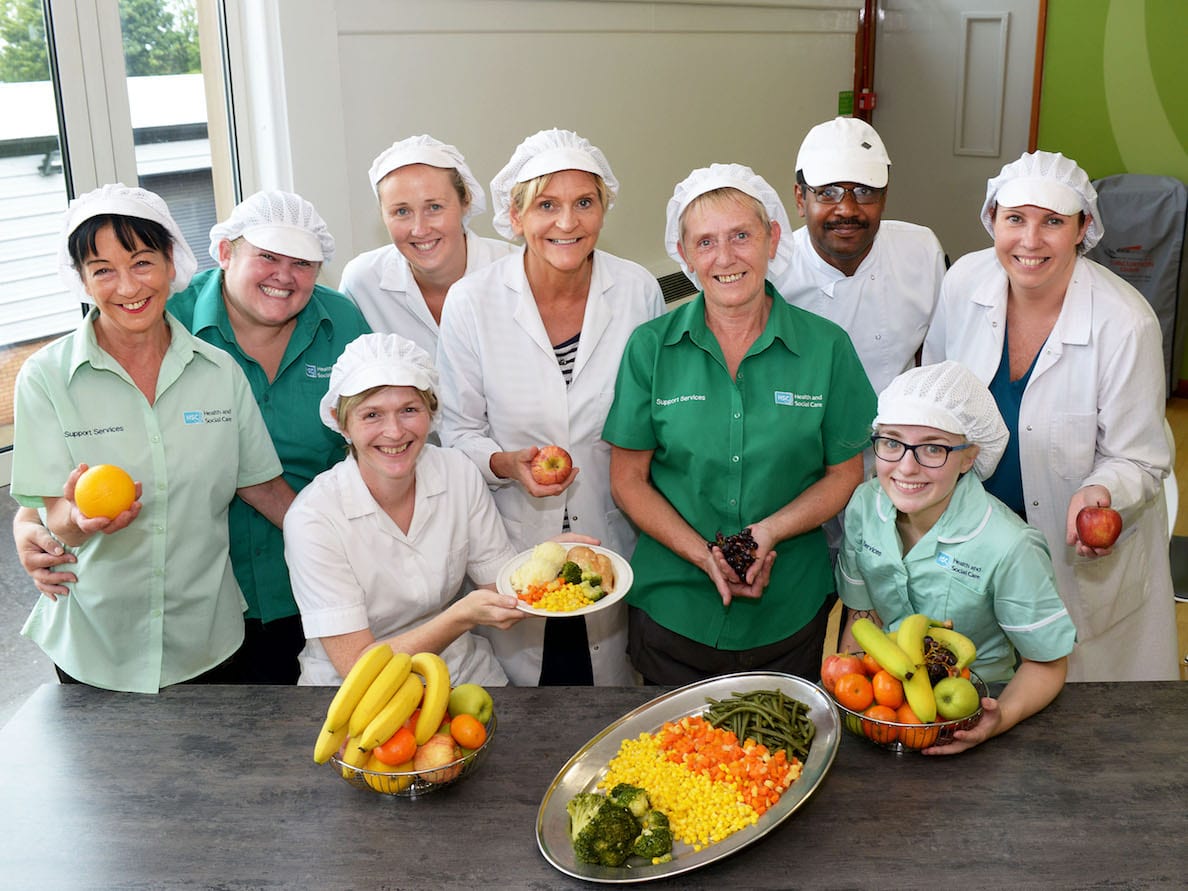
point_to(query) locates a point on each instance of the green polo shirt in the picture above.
(727, 453)
(155, 603)
(289, 405)
(979, 565)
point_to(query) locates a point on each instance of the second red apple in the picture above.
(551, 465)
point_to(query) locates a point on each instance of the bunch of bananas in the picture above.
(378, 695)
(903, 654)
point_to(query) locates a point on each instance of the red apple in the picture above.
(439, 750)
(837, 665)
(1098, 527)
(551, 465)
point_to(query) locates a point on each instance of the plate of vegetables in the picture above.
(677, 766)
(554, 579)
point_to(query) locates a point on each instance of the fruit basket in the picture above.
(909, 737)
(416, 783)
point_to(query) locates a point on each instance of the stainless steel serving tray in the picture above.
(586, 768)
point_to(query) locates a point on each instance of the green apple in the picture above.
(471, 699)
(956, 697)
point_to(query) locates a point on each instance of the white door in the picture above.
(954, 80)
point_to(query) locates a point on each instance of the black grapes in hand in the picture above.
(738, 549)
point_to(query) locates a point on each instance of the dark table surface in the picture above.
(214, 787)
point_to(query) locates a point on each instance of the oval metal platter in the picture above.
(587, 767)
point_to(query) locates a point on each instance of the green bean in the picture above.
(769, 717)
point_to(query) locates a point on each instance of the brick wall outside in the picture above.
(11, 359)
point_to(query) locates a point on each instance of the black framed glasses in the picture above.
(927, 454)
(835, 194)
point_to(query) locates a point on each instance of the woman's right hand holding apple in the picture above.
(517, 466)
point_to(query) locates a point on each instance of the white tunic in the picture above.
(1092, 413)
(352, 568)
(381, 284)
(885, 306)
(502, 390)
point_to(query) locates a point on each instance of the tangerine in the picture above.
(880, 732)
(888, 690)
(104, 490)
(854, 691)
(870, 665)
(468, 731)
(915, 737)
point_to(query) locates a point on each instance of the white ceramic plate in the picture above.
(588, 766)
(623, 578)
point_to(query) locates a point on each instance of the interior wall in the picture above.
(661, 88)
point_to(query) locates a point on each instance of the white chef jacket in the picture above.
(885, 306)
(502, 390)
(1092, 413)
(381, 284)
(352, 568)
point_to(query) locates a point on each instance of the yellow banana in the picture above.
(365, 670)
(882, 649)
(329, 742)
(381, 691)
(919, 695)
(433, 669)
(910, 637)
(960, 645)
(355, 757)
(398, 710)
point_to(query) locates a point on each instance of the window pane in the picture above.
(34, 305)
(167, 101)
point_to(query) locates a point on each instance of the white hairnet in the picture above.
(540, 154)
(949, 397)
(727, 176)
(128, 201)
(844, 150)
(427, 150)
(1048, 180)
(277, 221)
(376, 360)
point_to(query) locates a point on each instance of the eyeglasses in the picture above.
(837, 194)
(927, 454)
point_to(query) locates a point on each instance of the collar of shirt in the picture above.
(85, 350)
(781, 325)
(357, 500)
(829, 273)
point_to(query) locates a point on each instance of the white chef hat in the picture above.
(128, 201)
(949, 397)
(542, 153)
(1048, 180)
(425, 149)
(844, 150)
(376, 360)
(277, 221)
(727, 176)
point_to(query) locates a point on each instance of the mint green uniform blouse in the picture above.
(155, 603)
(289, 404)
(980, 566)
(727, 453)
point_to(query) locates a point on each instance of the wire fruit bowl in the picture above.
(416, 783)
(909, 737)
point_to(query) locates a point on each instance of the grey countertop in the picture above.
(214, 787)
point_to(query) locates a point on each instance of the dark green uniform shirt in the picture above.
(728, 453)
(289, 405)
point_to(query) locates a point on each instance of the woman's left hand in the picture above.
(726, 579)
(1089, 496)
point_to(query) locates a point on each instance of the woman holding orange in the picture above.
(156, 602)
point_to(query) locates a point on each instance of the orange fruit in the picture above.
(888, 690)
(870, 665)
(880, 733)
(914, 737)
(468, 731)
(104, 491)
(854, 691)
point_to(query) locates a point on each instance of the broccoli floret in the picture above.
(631, 797)
(570, 573)
(654, 819)
(653, 843)
(593, 592)
(602, 831)
(593, 579)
